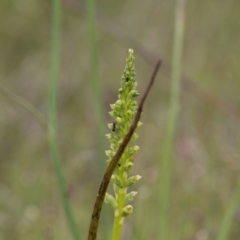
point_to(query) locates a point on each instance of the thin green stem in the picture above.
(97, 99)
(117, 228)
(166, 167)
(53, 116)
(95, 82)
(229, 215)
(118, 219)
(24, 104)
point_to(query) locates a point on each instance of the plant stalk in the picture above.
(166, 167)
(53, 117)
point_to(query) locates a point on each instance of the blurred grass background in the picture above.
(206, 150)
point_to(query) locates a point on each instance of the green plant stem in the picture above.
(117, 228)
(25, 105)
(97, 100)
(166, 167)
(53, 138)
(229, 215)
(95, 83)
(118, 219)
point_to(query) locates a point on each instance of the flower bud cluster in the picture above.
(123, 113)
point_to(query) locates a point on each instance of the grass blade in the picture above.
(166, 167)
(53, 125)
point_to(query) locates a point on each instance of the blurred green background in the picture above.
(206, 161)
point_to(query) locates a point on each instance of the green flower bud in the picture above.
(129, 113)
(120, 142)
(112, 146)
(132, 180)
(134, 93)
(130, 196)
(127, 210)
(111, 200)
(134, 136)
(111, 113)
(131, 159)
(119, 102)
(128, 166)
(109, 136)
(130, 52)
(110, 153)
(135, 148)
(120, 90)
(112, 106)
(117, 180)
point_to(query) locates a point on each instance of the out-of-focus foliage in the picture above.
(206, 158)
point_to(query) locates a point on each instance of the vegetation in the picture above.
(201, 198)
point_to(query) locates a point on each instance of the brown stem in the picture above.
(92, 234)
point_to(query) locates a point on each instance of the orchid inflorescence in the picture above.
(123, 112)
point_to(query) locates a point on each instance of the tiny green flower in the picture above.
(111, 200)
(123, 113)
(132, 180)
(130, 196)
(127, 210)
